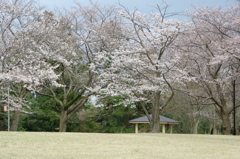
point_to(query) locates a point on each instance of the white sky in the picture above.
(144, 6)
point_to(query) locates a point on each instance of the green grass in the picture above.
(31, 145)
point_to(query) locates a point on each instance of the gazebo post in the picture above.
(171, 128)
(145, 128)
(163, 128)
(136, 128)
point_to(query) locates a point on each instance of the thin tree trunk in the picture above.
(15, 120)
(63, 121)
(215, 131)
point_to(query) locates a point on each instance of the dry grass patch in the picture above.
(24, 145)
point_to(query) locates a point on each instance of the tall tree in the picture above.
(212, 57)
(140, 67)
(22, 68)
(81, 29)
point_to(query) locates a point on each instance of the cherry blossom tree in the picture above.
(83, 28)
(212, 54)
(26, 49)
(141, 68)
(14, 19)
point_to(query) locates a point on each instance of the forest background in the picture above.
(94, 68)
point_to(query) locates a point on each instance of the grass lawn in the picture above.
(44, 145)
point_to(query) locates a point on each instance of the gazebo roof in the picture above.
(163, 119)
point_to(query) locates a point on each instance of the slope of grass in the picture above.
(24, 145)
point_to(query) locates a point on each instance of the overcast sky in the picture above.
(144, 6)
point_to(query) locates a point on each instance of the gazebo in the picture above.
(163, 121)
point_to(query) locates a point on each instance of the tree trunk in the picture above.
(15, 120)
(195, 127)
(63, 121)
(210, 129)
(154, 122)
(226, 124)
(215, 131)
